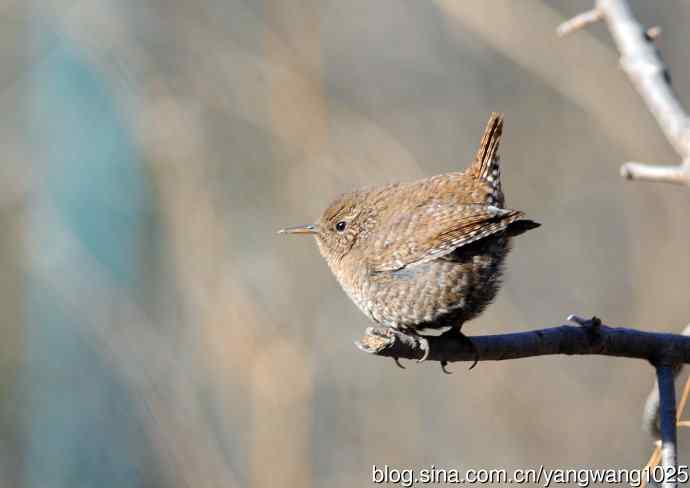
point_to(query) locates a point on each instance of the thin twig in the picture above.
(651, 464)
(653, 32)
(641, 62)
(580, 21)
(678, 174)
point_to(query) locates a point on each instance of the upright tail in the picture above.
(486, 165)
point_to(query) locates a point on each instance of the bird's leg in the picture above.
(456, 333)
(397, 363)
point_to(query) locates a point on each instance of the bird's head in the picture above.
(342, 225)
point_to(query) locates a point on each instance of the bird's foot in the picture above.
(424, 344)
(456, 334)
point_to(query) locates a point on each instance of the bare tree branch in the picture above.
(667, 412)
(650, 415)
(678, 174)
(641, 62)
(590, 337)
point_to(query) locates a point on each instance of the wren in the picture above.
(426, 254)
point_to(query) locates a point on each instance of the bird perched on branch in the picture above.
(426, 254)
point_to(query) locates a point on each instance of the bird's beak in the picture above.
(300, 229)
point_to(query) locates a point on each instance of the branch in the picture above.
(641, 62)
(580, 21)
(589, 337)
(678, 174)
(650, 414)
(667, 412)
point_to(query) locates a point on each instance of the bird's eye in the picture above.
(340, 226)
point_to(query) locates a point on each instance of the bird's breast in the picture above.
(436, 293)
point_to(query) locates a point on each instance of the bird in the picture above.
(426, 254)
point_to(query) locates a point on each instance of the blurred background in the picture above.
(156, 332)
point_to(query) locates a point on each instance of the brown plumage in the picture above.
(423, 254)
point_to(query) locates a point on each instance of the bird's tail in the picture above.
(521, 226)
(486, 162)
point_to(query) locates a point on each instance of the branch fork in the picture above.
(641, 62)
(666, 352)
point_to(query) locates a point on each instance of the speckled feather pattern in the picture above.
(428, 253)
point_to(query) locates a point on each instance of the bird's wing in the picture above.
(434, 230)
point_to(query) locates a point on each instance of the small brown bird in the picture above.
(427, 254)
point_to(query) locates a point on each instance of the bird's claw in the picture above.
(424, 343)
(443, 367)
(475, 351)
(458, 335)
(476, 358)
(397, 363)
